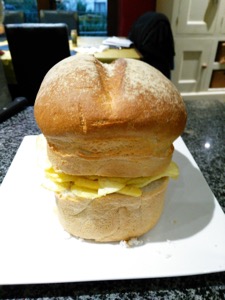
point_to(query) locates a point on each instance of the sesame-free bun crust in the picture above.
(117, 119)
(114, 217)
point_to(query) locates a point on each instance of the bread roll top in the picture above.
(127, 108)
(82, 96)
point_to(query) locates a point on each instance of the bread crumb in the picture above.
(131, 243)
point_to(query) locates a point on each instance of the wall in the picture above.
(46, 4)
(129, 11)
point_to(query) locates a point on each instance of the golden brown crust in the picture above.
(114, 217)
(90, 111)
(121, 164)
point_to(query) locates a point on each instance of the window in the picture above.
(100, 7)
(92, 13)
(29, 7)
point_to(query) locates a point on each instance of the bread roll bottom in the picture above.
(113, 217)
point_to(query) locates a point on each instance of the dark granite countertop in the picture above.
(205, 137)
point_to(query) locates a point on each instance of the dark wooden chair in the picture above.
(34, 49)
(152, 36)
(70, 18)
(13, 17)
(8, 106)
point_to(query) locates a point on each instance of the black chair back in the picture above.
(152, 35)
(35, 48)
(8, 106)
(13, 17)
(5, 96)
(70, 18)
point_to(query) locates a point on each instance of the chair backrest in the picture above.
(70, 18)
(13, 17)
(8, 106)
(5, 96)
(152, 36)
(34, 49)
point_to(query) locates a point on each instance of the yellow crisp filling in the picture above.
(92, 187)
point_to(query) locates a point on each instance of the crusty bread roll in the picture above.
(109, 120)
(113, 217)
(116, 119)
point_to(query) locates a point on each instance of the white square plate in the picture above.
(189, 238)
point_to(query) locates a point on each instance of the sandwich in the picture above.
(108, 131)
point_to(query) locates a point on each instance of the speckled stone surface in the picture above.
(205, 137)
